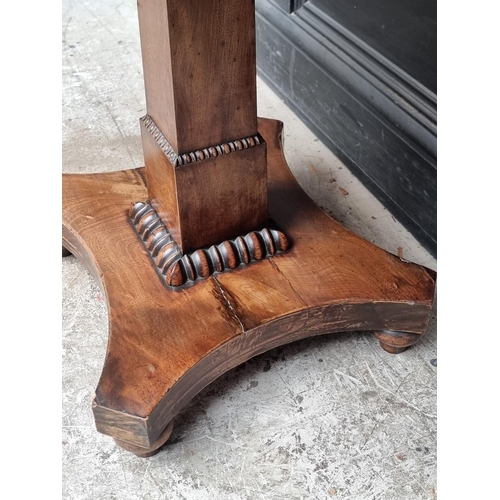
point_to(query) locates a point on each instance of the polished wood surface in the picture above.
(205, 202)
(199, 70)
(205, 167)
(167, 345)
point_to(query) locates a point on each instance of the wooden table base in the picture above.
(165, 345)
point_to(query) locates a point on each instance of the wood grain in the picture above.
(165, 346)
(199, 70)
(200, 83)
(211, 199)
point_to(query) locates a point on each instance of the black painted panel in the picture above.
(392, 152)
(404, 31)
(290, 6)
(285, 5)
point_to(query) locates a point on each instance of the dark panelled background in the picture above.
(362, 75)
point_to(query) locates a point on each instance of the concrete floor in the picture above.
(330, 417)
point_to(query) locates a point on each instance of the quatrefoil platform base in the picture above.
(166, 344)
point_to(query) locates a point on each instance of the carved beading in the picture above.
(221, 149)
(200, 154)
(177, 269)
(160, 139)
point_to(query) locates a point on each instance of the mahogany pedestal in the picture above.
(166, 344)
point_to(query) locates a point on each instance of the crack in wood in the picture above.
(229, 305)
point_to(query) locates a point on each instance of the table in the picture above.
(212, 253)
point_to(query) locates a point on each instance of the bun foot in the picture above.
(396, 342)
(154, 449)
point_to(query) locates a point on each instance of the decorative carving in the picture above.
(201, 154)
(177, 269)
(160, 139)
(221, 149)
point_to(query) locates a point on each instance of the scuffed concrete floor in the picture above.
(329, 417)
